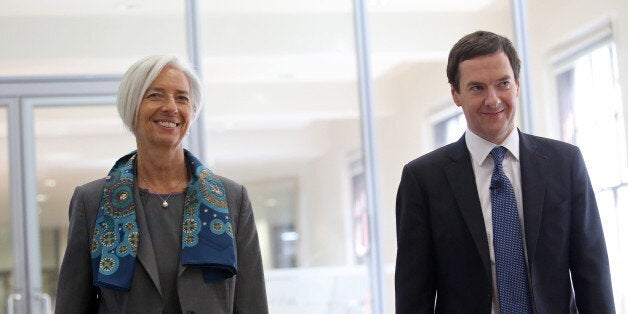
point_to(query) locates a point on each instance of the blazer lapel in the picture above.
(182, 268)
(462, 180)
(146, 251)
(533, 180)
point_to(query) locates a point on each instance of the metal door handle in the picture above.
(11, 302)
(46, 300)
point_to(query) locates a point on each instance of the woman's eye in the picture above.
(184, 99)
(153, 96)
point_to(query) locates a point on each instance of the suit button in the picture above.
(190, 312)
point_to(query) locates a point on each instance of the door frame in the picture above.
(21, 96)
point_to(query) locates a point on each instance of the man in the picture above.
(513, 229)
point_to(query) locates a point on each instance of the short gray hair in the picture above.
(140, 75)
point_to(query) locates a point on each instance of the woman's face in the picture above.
(165, 111)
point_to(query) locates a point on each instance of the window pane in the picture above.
(599, 132)
(449, 130)
(6, 244)
(410, 42)
(283, 119)
(616, 238)
(599, 129)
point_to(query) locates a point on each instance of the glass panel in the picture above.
(620, 282)
(6, 245)
(74, 145)
(599, 132)
(410, 42)
(77, 38)
(449, 130)
(599, 129)
(283, 119)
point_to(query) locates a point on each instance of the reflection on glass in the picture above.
(73, 145)
(6, 246)
(275, 201)
(414, 111)
(282, 118)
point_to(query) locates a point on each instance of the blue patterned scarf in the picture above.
(207, 239)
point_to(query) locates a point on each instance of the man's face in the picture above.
(488, 96)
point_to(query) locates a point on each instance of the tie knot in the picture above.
(498, 154)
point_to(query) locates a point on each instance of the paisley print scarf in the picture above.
(207, 232)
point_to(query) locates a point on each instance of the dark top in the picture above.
(164, 227)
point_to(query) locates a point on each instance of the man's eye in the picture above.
(475, 88)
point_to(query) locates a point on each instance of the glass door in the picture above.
(77, 140)
(6, 238)
(283, 118)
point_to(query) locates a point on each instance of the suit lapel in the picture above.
(462, 180)
(533, 169)
(146, 251)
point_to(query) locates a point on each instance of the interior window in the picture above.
(591, 117)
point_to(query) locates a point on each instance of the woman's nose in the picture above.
(170, 105)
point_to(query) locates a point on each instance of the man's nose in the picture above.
(492, 99)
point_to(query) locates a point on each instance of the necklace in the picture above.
(165, 201)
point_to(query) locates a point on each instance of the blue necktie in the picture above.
(512, 278)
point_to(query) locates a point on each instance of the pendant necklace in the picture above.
(165, 201)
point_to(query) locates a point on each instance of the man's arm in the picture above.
(588, 259)
(415, 270)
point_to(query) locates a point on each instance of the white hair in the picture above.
(141, 75)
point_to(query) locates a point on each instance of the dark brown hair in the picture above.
(478, 44)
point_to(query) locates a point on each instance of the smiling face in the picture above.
(165, 111)
(488, 96)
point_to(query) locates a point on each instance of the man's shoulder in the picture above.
(438, 157)
(547, 146)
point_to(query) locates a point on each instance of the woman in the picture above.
(161, 233)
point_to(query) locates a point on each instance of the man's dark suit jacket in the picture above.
(443, 261)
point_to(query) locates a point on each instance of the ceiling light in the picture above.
(127, 6)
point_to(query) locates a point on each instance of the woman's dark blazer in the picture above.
(243, 293)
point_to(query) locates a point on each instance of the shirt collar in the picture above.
(481, 148)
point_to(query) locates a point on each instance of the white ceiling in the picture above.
(79, 7)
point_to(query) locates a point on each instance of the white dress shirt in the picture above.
(483, 165)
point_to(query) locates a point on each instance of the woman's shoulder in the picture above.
(229, 184)
(95, 186)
